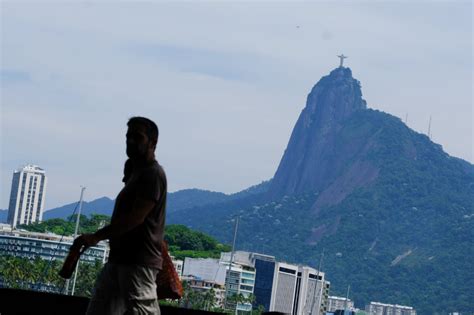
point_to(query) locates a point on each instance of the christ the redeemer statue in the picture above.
(342, 57)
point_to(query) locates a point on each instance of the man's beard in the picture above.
(136, 152)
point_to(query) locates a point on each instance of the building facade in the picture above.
(178, 266)
(377, 308)
(47, 246)
(339, 303)
(265, 269)
(314, 291)
(277, 286)
(284, 288)
(27, 195)
(239, 280)
(299, 290)
(208, 269)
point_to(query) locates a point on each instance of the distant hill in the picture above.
(102, 205)
(393, 213)
(176, 201)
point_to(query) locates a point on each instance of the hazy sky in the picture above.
(224, 81)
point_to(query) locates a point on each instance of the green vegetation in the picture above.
(23, 273)
(66, 227)
(184, 242)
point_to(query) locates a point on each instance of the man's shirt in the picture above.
(141, 245)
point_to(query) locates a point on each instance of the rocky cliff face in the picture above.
(312, 159)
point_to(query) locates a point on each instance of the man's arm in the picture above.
(123, 224)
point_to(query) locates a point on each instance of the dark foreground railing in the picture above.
(22, 302)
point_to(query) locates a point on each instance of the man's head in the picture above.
(142, 137)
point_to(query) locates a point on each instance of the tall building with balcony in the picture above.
(239, 280)
(27, 195)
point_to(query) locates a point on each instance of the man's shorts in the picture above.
(125, 289)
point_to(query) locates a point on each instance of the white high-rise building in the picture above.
(239, 279)
(27, 195)
(298, 290)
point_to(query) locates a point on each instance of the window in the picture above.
(246, 287)
(286, 270)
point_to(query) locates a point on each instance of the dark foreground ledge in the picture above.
(22, 302)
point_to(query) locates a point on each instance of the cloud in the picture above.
(219, 64)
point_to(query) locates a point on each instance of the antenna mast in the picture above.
(231, 260)
(429, 129)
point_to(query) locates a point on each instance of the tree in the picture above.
(40, 274)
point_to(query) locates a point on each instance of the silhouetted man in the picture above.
(127, 283)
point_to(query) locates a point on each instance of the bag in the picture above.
(168, 285)
(70, 263)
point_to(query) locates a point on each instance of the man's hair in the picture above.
(150, 126)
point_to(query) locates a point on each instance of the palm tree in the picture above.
(209, 299)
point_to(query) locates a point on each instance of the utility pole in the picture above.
(75, 235)
(316, 286)
(231, 260)
(347, 297)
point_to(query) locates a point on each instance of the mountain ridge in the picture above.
(179, 200)
(388, 207)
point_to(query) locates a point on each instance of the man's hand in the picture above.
(85, 240)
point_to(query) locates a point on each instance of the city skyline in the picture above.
(225, 98)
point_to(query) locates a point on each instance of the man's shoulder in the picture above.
(158, 169)
(153, 171)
